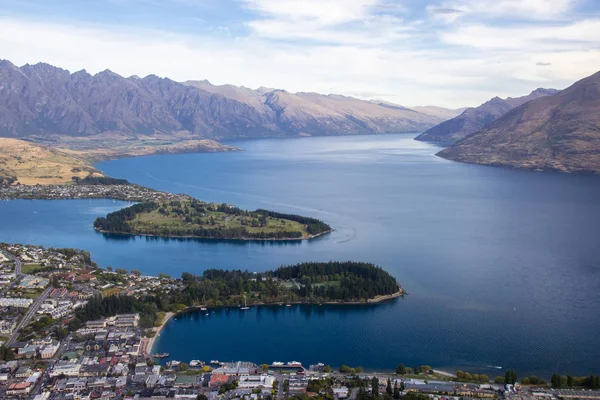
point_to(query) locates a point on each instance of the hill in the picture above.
(473, 119)
(557, 133)
(29, 164)
(74, 110)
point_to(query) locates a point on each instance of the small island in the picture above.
(190, 218)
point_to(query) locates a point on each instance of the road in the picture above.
(30, 313)
(18, 273)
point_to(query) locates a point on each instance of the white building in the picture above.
(255, 381)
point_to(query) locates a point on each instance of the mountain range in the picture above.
(472, 120)
(560, 132)
(40, 102)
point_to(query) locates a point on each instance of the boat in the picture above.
(161, 355)
(207, 314)
(277, 363)
(173, 363)
(196, 363)
(294, 364)
(215, 362)
(202, 308)
(288, 305)
(245, 305)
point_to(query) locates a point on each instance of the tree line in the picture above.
(229, 287)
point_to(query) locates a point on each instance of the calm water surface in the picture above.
(502, 266)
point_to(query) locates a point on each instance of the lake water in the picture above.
(502, 267)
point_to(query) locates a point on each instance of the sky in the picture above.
(449, 53)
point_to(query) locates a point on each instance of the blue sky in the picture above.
(450, 53)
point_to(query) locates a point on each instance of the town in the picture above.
(50, 353)
(117, 191)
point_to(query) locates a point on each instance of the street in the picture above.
(30, 313)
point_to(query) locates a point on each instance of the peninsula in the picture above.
(190, 218)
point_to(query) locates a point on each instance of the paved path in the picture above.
(30, 313)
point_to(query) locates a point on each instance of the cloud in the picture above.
(543, 64)
(514, 9)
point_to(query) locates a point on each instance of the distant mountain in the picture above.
(557, 133)
(316, 114)
(42, 101)
(474, 119)
(439, 112)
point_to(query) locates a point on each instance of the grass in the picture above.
(31, 269)
(31, 294)
(111, 292)
(33, 164)
(154, 219)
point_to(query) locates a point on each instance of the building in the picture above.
(19, 389)
(237, 368)
(127, 320)
(255, 381)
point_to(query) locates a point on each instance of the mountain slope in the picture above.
(42, 102)
(474, 119)
(558, 133)
(316, 114)
(439, 112)
(30, 164)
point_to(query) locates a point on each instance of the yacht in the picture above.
(245, 305)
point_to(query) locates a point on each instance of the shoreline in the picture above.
(213, 238)
(148, 343)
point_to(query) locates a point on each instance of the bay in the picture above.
(501, 266)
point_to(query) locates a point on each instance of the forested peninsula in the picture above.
(191, 218)
(306, 283)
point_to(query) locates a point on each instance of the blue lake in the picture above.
(502, 267)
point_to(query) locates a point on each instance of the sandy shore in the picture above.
(148, 343)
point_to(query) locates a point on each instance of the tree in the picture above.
(55, 282)
(121, 271)
(375, 387)
(264, 367)
(484, 378)
(396, 391)
(327, 369)
(525, 381)
(401, 369)
(460, 374)
(534, 380)
(555, 381)
(563, 381)
(416, 370)
(476, 377)
(498, 380)
(136, 272)
(182, 367)
(201, 396)
(570, 381)
(74, 324)
(109, 268)
(510, 377)
(467, 376)
(388, 389)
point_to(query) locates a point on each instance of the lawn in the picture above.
(31, 269)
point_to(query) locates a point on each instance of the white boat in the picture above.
(277, 363)
(195, 363)
(215, 362)
(288, 305)
(294, 364)
(245, 305)
(202, 308)
(173, 363)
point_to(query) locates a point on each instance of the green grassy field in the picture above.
(30, 269)
(155, 219)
